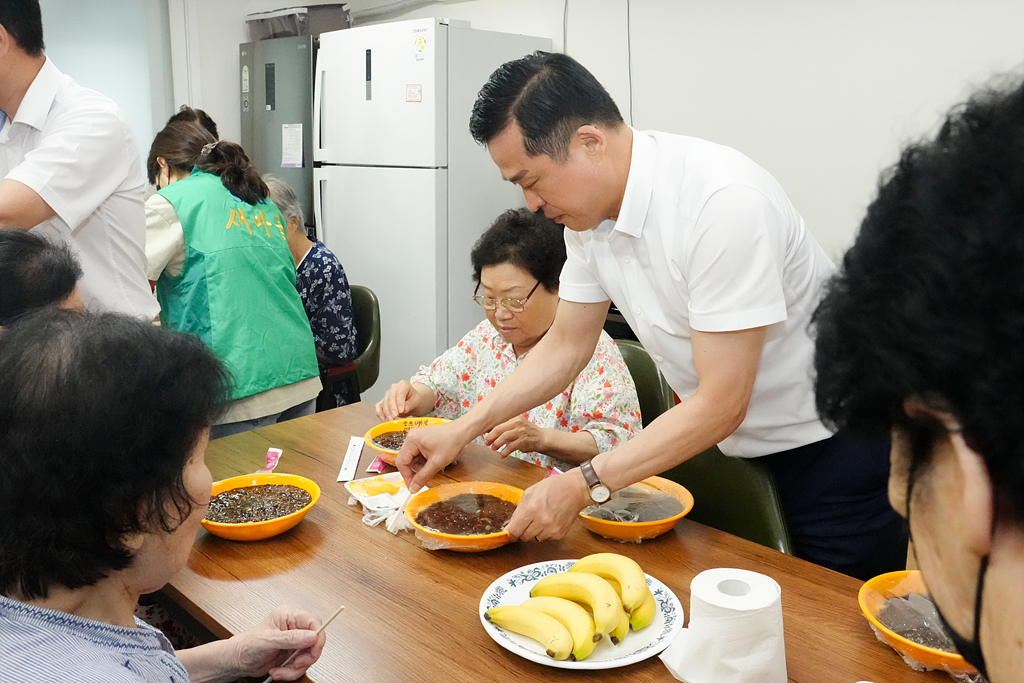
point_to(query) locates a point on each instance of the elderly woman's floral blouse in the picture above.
(602, 399)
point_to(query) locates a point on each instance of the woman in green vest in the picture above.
(217, 249)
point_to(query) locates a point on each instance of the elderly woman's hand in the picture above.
(259, 651)
(262, 649)
(518, 434)
(403, 399)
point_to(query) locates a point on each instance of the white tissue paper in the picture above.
(735, 631)
(384, 507)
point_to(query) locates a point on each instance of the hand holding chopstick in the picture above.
(320, 630)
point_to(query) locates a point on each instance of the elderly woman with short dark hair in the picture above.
(103, 423)
(516, 264)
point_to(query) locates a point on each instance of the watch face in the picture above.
(600, 493)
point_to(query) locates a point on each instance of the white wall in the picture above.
(820, 92)
(121, 49)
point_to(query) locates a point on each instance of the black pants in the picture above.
(835, 498)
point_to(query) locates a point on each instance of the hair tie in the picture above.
(207, 148)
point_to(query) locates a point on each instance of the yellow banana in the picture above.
(574, 618)
(589, 589)
(546, 630)
(630, 577)
(620, 631)
(643, 615)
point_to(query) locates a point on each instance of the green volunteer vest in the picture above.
(236, 290)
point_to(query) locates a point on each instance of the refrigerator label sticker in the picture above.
(414, 92)
(291, 145)
(420, 43)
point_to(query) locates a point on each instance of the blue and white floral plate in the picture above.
(514, 588)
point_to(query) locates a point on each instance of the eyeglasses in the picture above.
(514, 305)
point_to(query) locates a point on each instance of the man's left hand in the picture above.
(549, 508)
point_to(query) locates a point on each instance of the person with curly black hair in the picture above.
(922, 333)
(516, 263)
(104, 420)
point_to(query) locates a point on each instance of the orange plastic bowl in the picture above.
(873, 595)
(399, 425)
(640, 531)
(255, 531)
(462, 544)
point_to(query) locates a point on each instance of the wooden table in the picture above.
(411, 614)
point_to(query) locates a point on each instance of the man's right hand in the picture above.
(401, 400)
(428, 450)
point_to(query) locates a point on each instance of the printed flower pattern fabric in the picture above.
(327, 300)
(602, 400)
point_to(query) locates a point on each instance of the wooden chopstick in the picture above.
(320, 630)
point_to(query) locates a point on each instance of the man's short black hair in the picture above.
(23, 20)
(99, 413)
(33, 273)
(930, 301)
(526, 239)
(549, 95)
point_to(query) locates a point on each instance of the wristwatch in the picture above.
(599, 493)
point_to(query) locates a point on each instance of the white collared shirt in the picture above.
(708, 240)
(74, 148)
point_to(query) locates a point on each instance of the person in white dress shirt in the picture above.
(70, 168)
(713, 268)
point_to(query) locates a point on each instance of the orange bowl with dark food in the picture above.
(873, 596)
(255, 531)
(465, 543)
(386, 446)
(641, 531)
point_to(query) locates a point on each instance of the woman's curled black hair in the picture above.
(99, 413)
(526, 239)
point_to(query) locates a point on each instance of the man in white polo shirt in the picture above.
(69, 167)
(711, 265)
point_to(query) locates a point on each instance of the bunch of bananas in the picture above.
(605, 594)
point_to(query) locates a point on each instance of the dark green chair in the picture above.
(736, 495)
(362, 373)
(652, 389)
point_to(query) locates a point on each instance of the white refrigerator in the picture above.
(401, 190)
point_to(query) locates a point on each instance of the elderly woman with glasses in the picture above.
(516, 265)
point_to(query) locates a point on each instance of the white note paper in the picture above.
(291, 145)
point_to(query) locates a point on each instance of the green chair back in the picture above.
(736, 495)
(366, 310)
(652, 389)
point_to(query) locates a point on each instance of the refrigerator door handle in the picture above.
(318, 206)
(318, 101)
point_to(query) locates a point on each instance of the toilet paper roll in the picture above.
(735, 631)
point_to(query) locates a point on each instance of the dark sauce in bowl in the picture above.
(467, 514)
(257, 503)
(391, 440)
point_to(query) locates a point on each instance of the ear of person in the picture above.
(977, 496)
(592, 138)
